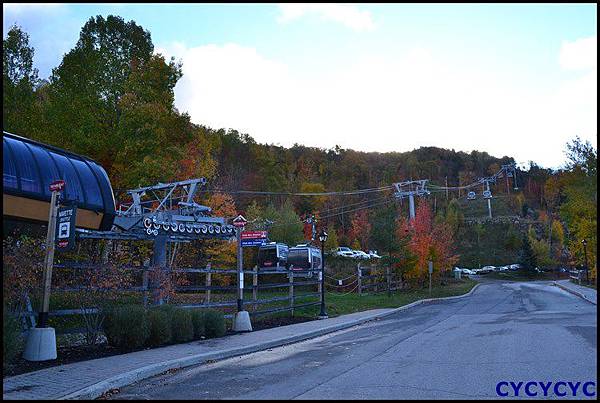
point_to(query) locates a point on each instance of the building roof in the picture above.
(29, 167)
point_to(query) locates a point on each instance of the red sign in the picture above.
(239, 221)
(254, 234)
(57, 186)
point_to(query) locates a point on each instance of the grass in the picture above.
(337, 304)
(521, 276)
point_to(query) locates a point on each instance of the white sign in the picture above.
(64, 229)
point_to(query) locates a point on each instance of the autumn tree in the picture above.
(311, 204)
(580, 207)
(360, 229)
(222, 254)
(427, 241)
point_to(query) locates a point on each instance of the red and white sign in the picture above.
(254, 234)
(239, 221)
(57, 186)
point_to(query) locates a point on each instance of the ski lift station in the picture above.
(29, 167)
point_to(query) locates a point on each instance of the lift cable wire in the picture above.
(389, 200)
(340, 193)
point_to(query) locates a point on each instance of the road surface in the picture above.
(459, 349)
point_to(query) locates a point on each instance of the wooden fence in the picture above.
(301, 285)
(297, 287)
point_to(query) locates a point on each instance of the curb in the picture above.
(127, 378)
(579, 294)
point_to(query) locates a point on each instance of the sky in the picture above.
(508, 79)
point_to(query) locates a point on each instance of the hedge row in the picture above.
(132, 326)
(11, 338)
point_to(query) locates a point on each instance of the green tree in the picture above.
(19, 79)
(454, 215)
(288, 227)
(527, 256)
(579, 209)
(332, 239)
(84, 108)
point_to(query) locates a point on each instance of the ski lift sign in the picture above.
(65, 227)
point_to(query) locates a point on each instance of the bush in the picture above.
(126, 326)
(181, 325)
(214, 323)
(11, 338)
(198, 322)
(159, 323)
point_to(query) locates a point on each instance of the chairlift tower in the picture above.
(410, 189)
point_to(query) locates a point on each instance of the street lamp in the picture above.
(323, 239)
(587, 276)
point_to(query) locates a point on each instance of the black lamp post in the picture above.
(587, 276)
(323, 238)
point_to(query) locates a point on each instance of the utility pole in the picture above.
(446, 187)
(489, 200)
(587, 271)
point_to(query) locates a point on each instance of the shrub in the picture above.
(181, 325)
(11, 338)
(126, 326)
(214, 323)
(159, 323)
(198, 322)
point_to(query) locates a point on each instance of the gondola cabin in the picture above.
(273, 256)
(28, 169)
(304, 257)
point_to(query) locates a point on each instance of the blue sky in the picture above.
(508, 79)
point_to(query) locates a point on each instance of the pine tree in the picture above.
(528, 260)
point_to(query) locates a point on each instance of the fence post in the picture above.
(208, 283)
(319, 288)
(255, 286)
(291, 291)
(389, 281)
(145, 274)
(359, 276)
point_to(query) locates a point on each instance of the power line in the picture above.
(340, 193)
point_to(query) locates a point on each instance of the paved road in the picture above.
(451, 350)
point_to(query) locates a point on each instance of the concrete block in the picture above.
(41, 344)
(241, 322)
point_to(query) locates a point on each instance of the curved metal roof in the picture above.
(29, 167)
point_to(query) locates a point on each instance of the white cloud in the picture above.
(380, 103)
(348, 15)
(580, 54)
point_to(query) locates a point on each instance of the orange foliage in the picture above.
(427, 241)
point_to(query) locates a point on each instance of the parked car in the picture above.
(359, 254)
(487, 269)
(344, 251)
(373, 254)
(468, 271)
(514, 267)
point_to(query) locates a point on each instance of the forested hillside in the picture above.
(112, 99)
